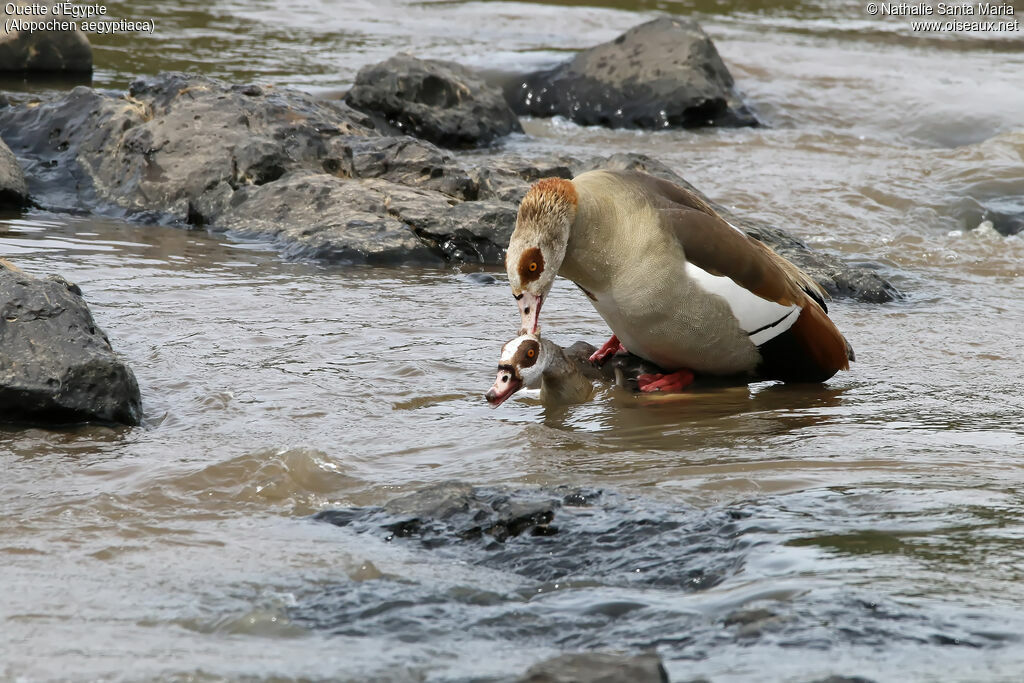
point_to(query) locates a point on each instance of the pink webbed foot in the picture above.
(609, 349)
(676, 381)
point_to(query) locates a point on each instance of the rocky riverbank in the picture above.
(318, 177)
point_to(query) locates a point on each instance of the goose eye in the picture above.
(531, 353)
(532, 267)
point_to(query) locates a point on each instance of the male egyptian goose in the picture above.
(677, 284)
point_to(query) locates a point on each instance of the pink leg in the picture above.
(676, 381)
(609, 349)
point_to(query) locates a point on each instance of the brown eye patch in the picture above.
(531, 265)
(526, 354)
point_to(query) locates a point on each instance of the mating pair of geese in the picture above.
(678, 285)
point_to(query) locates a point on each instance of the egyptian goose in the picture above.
(677, 284)
(528, 361)
(563, 375)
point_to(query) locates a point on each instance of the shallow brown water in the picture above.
(883, 512)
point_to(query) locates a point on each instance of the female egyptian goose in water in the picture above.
(677, 284)
(564, 375)
(529, 360)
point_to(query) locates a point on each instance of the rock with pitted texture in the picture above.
(316, 176)
(42, 50)
(664, 73)
(56, 364)
(13, 190)
(439, 101)
(327, 218)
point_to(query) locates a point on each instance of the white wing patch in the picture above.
(762, 319)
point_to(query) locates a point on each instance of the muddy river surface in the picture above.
(873, 526)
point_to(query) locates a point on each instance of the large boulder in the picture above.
(442, 102)
(13, 189)
(665, 73)
(55, 363)
(42, 49)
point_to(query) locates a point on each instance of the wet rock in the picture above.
(170, 140)
(257, 159)
(1002, 215)
(597, 667)
(664, 73)
(438, 101)
(13, 190)
(327, 218)
(507, 178)
(43, 50)
(482, 278)
(57, 365)
(1005, 222)
(550, 534)
(409, 162)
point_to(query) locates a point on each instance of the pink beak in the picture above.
(505, 385)
(529, 312)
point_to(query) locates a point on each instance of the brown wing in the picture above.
(813, 349)
(712, 244)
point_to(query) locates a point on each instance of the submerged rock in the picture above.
(664, 73)
(314, 175)
(43, 50)
(1005, 222)
(597, 667)
(442, 102)
(13, 190)
(550, 534)
(55, 363)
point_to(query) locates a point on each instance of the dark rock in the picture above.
(56, 364)
(438, 101)
(508, 178)
(482, 278)
(597, 667)
(169, 141)
(13, 190)
(548, 535)
(314, 175)
(43, 50)
(409, 162)
(323, 217)
(1006, 214)
(844, 679)
(189, 149)
(1006, 222)
(664, 73)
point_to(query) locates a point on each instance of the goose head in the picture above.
(522, 363)
(538, 244)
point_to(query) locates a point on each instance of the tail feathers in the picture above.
(812, 350)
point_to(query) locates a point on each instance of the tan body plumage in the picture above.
(676, 283)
